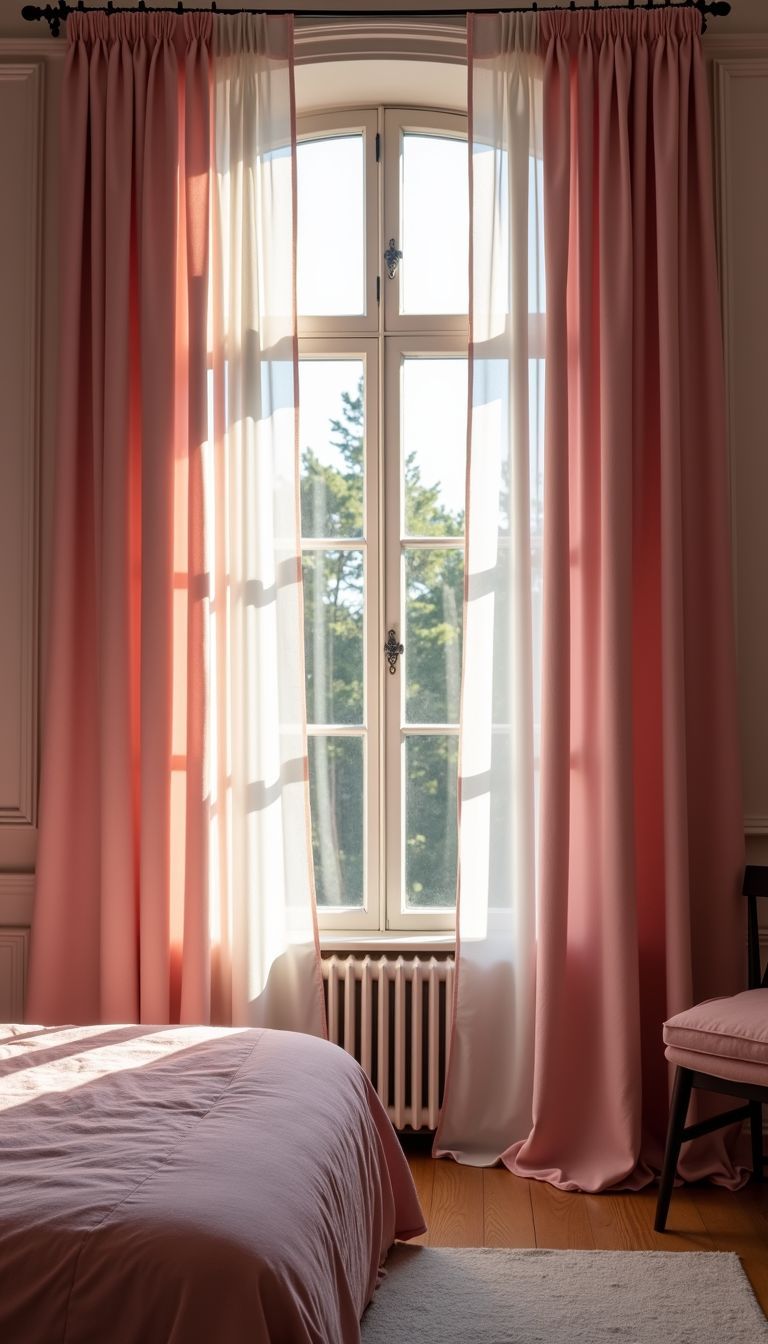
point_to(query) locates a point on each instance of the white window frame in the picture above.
(397, 349)
(381, 338)
(369, 918)
(397, 123)
(352, 122)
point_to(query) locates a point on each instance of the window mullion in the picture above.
(392, 571)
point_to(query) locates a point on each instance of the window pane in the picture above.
(435, 225)
(434, 439)
(430, 821)
(336, 788)
(331, 435)
(434, 584)
(331, 226)
(490, 168)
(333, 635)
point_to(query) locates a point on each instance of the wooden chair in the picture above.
(721, 1046)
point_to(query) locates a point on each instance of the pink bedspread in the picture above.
(190, 1185)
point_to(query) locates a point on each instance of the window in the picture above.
(383, 402)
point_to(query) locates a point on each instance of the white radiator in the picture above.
(393, 1014)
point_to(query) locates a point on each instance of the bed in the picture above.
(189, 1185)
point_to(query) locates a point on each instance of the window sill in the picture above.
(393, 941)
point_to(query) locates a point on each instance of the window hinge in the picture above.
(378, 146)
(378, 289)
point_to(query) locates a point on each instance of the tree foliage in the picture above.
(332, 502)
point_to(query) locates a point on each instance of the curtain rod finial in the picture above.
(50, 15)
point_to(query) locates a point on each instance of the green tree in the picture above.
(332, 501)
(332, 504)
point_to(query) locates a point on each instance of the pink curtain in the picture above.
(129, 924)
(641, 815)
(640, 824)
(130, 341)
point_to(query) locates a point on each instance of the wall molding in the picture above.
(21, 809)
(14, 950)
(723, 46)
(41, 48)
(400, 38)
(16, 903)
(17, 894)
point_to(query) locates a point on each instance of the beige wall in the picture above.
(30, 72)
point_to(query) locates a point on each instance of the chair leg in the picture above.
(756, 1126)
(681, 1096)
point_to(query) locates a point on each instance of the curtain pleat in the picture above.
(174, 882)
(497, 771)
(259, 766)
(640, 844)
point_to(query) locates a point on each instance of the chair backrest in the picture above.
(755, 884)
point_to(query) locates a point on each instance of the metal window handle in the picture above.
(392, 256)
(393, 650)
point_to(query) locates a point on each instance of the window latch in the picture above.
(392, 257)
(393, 650)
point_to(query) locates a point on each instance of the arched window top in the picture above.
(346, 63)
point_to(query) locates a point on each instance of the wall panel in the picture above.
(13, 973)
(16, 896)
(740, 109)
(21, 95)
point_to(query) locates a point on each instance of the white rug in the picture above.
(563, 1297)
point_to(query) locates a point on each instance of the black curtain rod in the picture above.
(54, 15)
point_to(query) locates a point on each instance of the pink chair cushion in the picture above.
(724, 1037)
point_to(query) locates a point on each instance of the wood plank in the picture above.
(457, 1205)
(755, 1197)
(423, 1172)
(560, 1219)
(737, 1220)
(467, 1206)
(508, 1215)
(616, 1224)
(624, 1222)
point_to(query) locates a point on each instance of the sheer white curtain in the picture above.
(176, 877)
(262, 908)
(494, 1009)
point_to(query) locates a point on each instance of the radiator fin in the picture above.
(393, 1013)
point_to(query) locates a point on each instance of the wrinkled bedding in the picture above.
(191, 1185)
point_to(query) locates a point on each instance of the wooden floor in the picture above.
(466, 1206)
